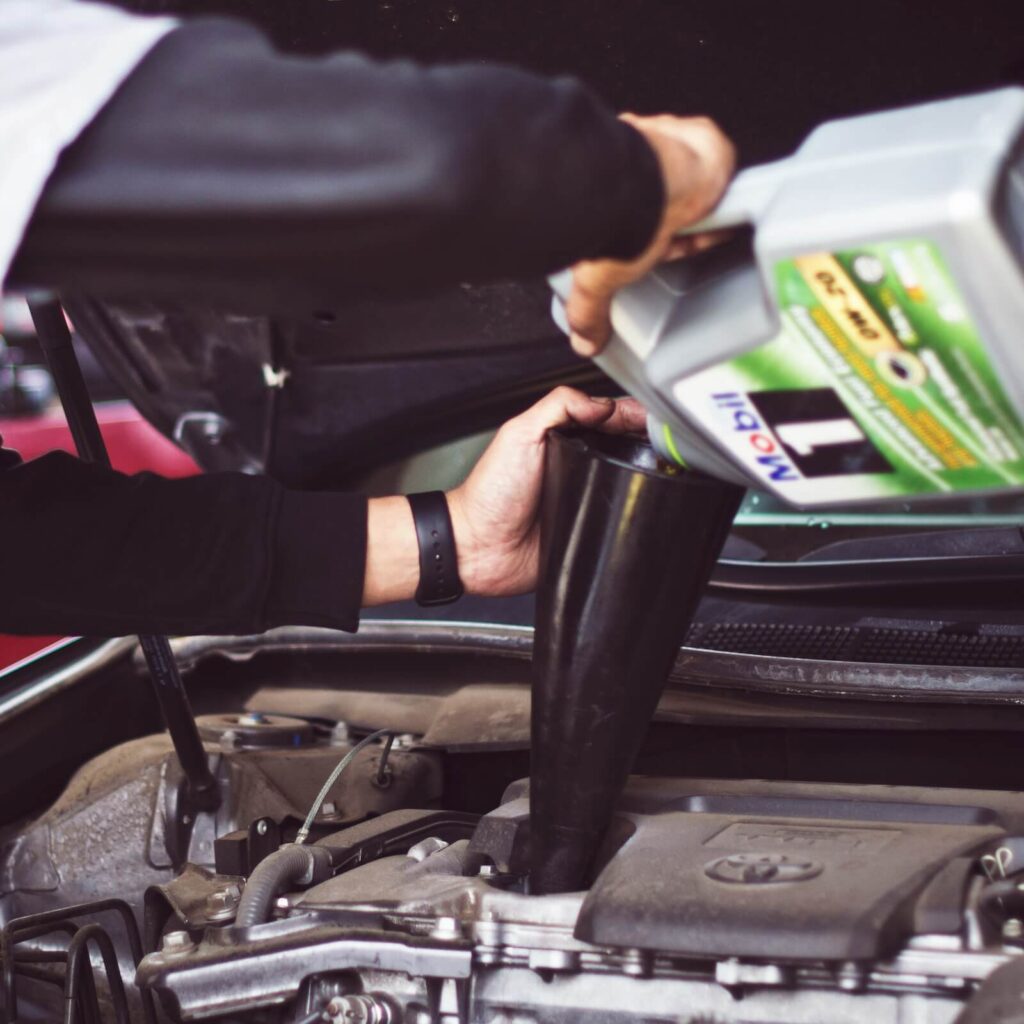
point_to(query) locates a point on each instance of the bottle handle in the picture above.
(745, 199)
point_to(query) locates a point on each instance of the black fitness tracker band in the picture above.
(439, 562)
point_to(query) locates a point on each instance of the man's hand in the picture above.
(697, 161)
(495, 512)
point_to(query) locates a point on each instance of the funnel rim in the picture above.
(586, 440)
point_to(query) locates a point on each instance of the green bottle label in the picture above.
(878, 386)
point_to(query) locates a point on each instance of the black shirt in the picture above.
(221, 167)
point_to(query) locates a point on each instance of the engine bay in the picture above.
(817, 819)
(711, 899)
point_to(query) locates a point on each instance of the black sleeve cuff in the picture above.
(639, 198)
(319, 560)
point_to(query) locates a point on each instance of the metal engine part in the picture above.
(875, 911)
(487, 955)
(726, 901)
(255, 730)
(111, 821)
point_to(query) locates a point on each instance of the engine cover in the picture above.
(791, 872)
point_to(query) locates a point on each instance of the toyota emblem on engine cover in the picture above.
(761, 869)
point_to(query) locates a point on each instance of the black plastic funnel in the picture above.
(626, 551)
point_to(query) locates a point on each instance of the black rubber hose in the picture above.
(283, 869)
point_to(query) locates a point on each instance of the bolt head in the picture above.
(177, 942)
(222, 904)
(1013, 928)
(227, 897)
(261, 827)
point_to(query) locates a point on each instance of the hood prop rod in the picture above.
(201, 793)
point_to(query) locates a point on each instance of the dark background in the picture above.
(768, 71)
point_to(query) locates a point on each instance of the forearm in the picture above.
(99, 553)
(495, 511)
(392, 552)
(222, 164)
(91, 551)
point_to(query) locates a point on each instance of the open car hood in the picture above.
(317, 399)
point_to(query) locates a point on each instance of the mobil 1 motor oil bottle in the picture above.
(864, 341)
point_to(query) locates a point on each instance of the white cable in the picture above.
(303, 832)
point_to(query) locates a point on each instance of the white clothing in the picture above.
(60, 61)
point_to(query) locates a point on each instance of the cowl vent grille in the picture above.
(861, 644)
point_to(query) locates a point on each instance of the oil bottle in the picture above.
(863, 340)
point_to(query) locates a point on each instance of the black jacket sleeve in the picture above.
(90, 551)
(221, 164)
(221, 167)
